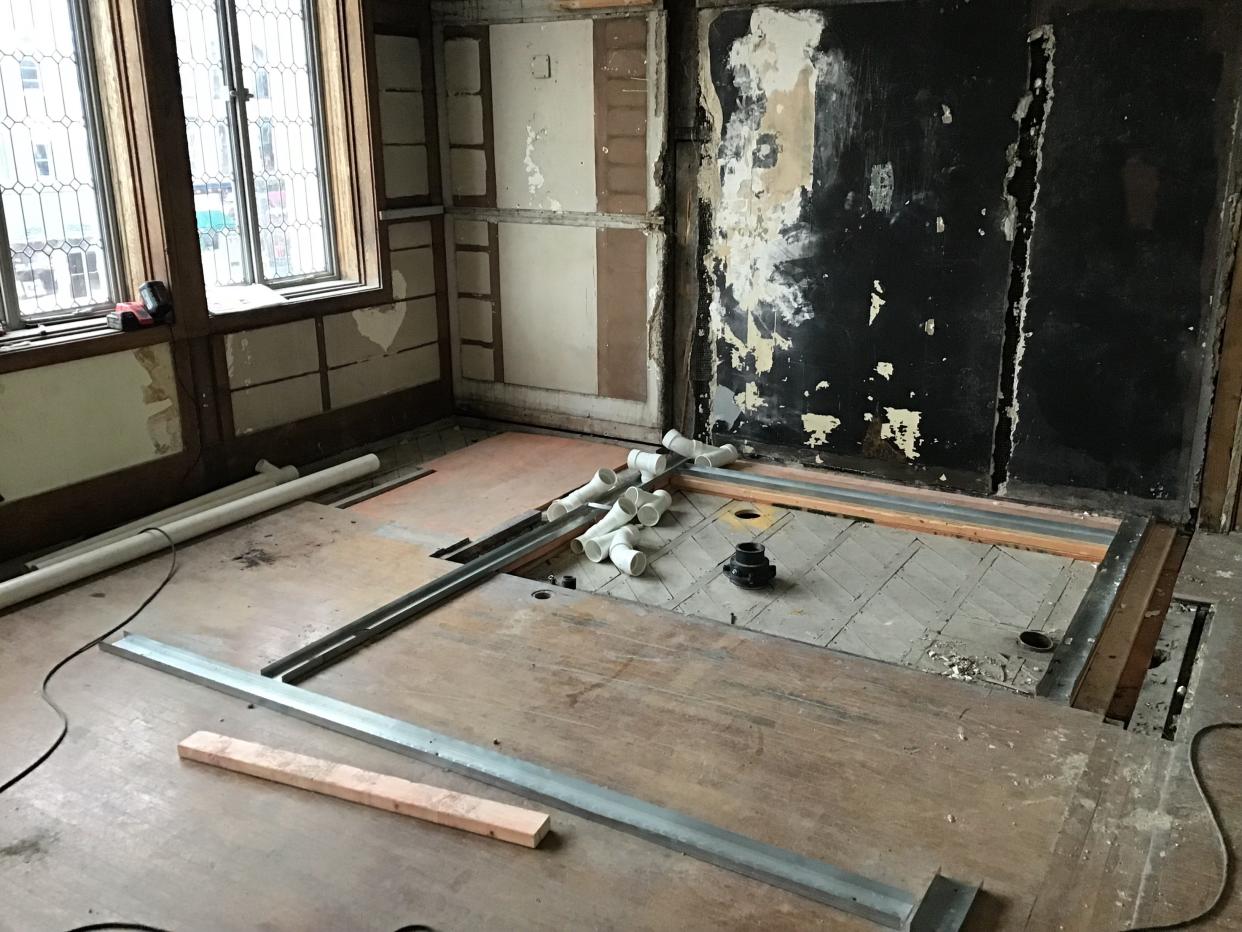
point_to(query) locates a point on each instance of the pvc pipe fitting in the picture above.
(72, 569)
(684, 446)
(629, 561)
(718, 456)
(597, 548)
(603, 482)
(647, 464)
(648, 507)
(616, 517)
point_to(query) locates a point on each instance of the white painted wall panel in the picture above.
(544, 127)
(547, 284)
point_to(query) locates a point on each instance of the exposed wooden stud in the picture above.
(501, 821)
(1223, 460)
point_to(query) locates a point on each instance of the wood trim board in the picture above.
(501, 821)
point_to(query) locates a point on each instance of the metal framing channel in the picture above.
(942, 907)
(334, 646)
(1069, 661)
(961, 514)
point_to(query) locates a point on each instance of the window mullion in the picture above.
(242, 163)
(11, 315)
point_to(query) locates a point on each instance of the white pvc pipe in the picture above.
(684, 446)
(629, 561)
(603, 482)
(182, 529)
(718, 456)
(268, 477)
(648, 507)
(647, 464)
(616, 517)
(597, 548)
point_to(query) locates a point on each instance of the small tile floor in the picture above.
(939, 604)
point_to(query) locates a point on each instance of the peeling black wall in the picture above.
(1124, 251)
(907, 62)
(1121, 257)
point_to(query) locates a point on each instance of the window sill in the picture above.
(229, 316)
(53, 343)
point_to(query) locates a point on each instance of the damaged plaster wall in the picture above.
(857, 260)
(72, 421)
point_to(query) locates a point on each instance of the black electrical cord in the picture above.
(64, 719)
(1226, 847)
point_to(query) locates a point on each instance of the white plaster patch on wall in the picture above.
(819, 385)
(901, 426)
(946, 115)
(380, 325)
(534, 174)
(929, 326)
(877, 301)
(881, 187)
(885, 369)
(940, 224)
(818, 427)
(749, 399)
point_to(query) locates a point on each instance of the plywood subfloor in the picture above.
(939, 604)
(877, 768)
(476, 489)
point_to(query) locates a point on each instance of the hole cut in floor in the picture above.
(939, 604)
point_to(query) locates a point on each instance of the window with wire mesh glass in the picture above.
(254, 124)
(56, 218)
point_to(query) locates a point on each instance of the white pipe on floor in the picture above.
(648, 507)
(647, 464)
(719, 456)
(596, 548)
(182, 529)
(684, 446)
(628, 560)
(268, 477)
(616, 517)
(603, 482)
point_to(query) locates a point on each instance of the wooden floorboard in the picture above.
(481, 486)
(874, 767)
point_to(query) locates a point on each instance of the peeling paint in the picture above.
(819, 385)
(877, 302)
(163, 419)
(881, 187)
(818, 427)
(940, 224)
(946, 115)
(901, 427)
(929, 326)
(884, 369)
(380, 325)
(749, 399)
(768, 155)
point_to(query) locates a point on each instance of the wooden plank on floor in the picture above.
(474, 814)
(479, 487)
(895, 518)
(1104, 670)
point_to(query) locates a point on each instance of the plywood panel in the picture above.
(547, 280)
(478, 488)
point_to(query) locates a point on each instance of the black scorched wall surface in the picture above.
(1111, 364)
(858, 265)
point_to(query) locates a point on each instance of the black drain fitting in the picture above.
(749, 567)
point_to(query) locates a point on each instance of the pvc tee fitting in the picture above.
(616, 517)
(648, 507)
(598, 547)
(717, 456)
(603, 482)
(684, 446)
(647, 464)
